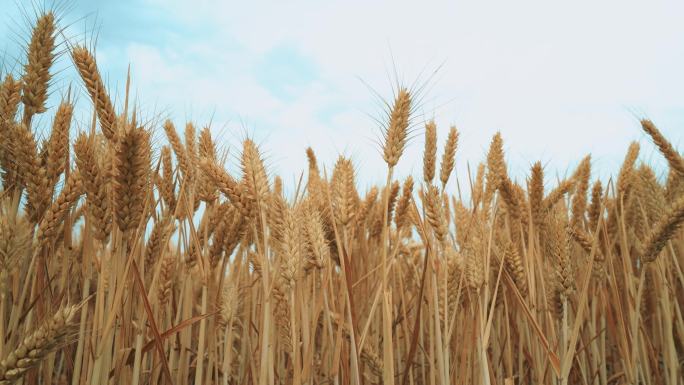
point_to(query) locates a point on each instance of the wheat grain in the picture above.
(131, 178)
(555, 195)
(316, 242)
(663, 231)
(579, 198)
(165, 181)
(157, 240)
(396, 133)
(516, 267)
(58, 145)
(434, 212)
(87, 68)
(37, 68)
(10, 96)
(430, 151)
(496, 171)
(37, 345)
(392, 200)
(31, 172)
(626, 175)
(448, 158)
(206, 191)
(254, 172)
(674, 159)
(57, 212)
(594, 209)
(536, 194)
(165, 281)
(344, 195)
(401, 216)
(95, 187)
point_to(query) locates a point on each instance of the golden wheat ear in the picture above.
(58, 144)
(184, 160)
(95, 187)
(674, 159)
(496, 171)
(87, 68)
(38, 345)
(344, 194)
(131, 177)
(228, 186)
(10, 96)
(434, 213)
(625, 178)
(396, 133)
(535, 192)
(49, 226)
(448, 158)
(579, 198)
(430, 151)
(165, 181)
(314, 233)
(37, 68)
(594, 211)
(516, 267)
(31, 173)
(401, 219)
(206, 190)
(663, 231)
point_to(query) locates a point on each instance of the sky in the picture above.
(559, 80)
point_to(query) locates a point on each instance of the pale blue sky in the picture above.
(558, 79)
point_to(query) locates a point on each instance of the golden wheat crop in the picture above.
(127, 262)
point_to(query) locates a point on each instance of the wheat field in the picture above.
(127, 261)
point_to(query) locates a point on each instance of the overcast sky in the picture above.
(557, 79)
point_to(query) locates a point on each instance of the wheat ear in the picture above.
(227, 185)
(430, 152)
(131, 177)
(254, 172)
(57, 212)
(434, 213)
(344, 195)
(58, 145)
(396, 133)
(663, 231)
(87, 68)
(401, 219)
(448, 158)
(674, 159)
(10, 95)
(31, 172)
(579, 199)
(37, 345)
(165, 181)
(37, 69)
(206, 191)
